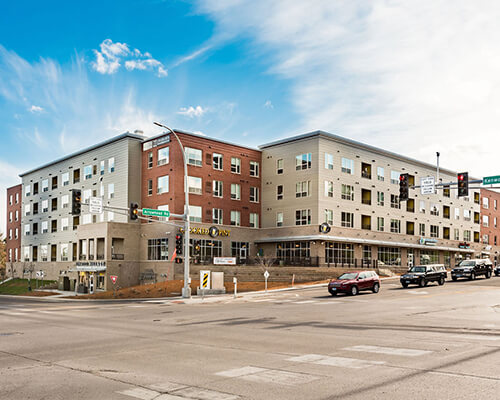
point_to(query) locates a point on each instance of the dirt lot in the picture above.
(174, 288)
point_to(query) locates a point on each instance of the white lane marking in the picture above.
(14, 313)
(304, 302)
(204, 394)
(169, 397)
(389, 350)
(140, 393)
(136, 306)
(343, 362)
(164, 387)
(232, 373)
(413, 292)
(280, 377)
(261, 300)
(307, 358)
(478, 337)
(282, 301)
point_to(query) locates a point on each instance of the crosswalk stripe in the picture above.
(343, 362)
(305, 302)
(389, 350)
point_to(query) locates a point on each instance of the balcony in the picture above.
(100, 257)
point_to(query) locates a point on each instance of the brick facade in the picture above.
(490, 228)
(13, 222)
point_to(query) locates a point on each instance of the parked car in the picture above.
(471, 269)
(421, 275)
(497, 270)
(354, 282)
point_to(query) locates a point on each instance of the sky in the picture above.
(413, 77)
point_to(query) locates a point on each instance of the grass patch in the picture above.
(20, 286)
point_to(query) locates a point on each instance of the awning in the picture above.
(360, 241)
(88, 268)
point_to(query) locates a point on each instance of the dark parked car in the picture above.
(353, 282)
(421, 275)
(471, 269)
(497, 270)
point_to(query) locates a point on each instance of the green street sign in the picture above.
(490, 180)
(155, 213)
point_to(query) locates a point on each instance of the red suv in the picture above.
(353, 282)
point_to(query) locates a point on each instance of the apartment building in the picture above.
(490, 229)
(319, 177)
(13, 233)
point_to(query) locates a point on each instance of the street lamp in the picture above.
(186, 290)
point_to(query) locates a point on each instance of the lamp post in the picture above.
(186, 290)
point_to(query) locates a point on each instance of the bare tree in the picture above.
(265, 262)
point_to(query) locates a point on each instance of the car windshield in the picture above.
(467, 263)
(348, 276)
(417, 269)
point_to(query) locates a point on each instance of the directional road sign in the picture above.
(266, 274)
(427, 185)
(155, 213)
(95, 205)
(490, 180)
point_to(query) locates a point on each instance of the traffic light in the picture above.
(463, 184)
(76, 201)
(404, 187)
(178, 244)
(134, 211)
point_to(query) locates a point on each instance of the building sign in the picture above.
(91, 263)
(213, 231)
(155, 143)
(324, 228)
(464, 245)
(224, 260)
(427, 242)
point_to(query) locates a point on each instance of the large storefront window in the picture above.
(290, 250)
(429, 257)
(158, 249)
(389, 256)
(205, 248)
(240, 250)
(339, 253)
(447, 259)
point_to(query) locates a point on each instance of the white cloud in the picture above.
(384, 72)
(268, 104)
(35, 109)
(195, 54)
(192, 112)
(108, 60)
(200, 133)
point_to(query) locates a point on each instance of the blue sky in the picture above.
(409, 77)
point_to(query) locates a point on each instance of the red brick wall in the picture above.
(175, 197)
(491, 212)
(13, 243)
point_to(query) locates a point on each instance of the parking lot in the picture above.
(432, 342)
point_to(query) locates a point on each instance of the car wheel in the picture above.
(472, 276)
(354, 291)
(488, 275)
(333, 293)
(405, 285)
(376, 287)
(454, 278)
(422, 282)
(441, 281)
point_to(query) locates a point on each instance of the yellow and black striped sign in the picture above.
(204, 282)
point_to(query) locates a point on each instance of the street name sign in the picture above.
(95, 205)
(427, 185)
(490, 180)
(155, 213)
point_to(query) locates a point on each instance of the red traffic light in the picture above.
(460, 177)
(178, 237)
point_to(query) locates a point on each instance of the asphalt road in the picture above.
(438, 342)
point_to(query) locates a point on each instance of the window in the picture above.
(339, 253)
(26, 229)
(366, 170)
(422, 206)
(217, 161)
(111, 191)
(10, 216)
(87, 172)
(194, 185)
(494, 203)
(240, 250)
(486, 221)
(434, 209)
(303, 217)
(64, 251)
(26, 253)
(27, 190)
(35, 208)
(328, 188)
(395, 201)
(86, 195)
(476, 198)
(467, 236)
(467, 215)
(45, 226)
(102, 167)
(17, 200)
(389, 255)
(158, 249)
(111, 165)
(303, 161)
(45, 185)
(366, 196)
(163, 207)
(217, 188)
(162, 184)
(395, 226)
(395, 177)
(328, 161)
(347, 220)
(17, 233)
(279, 166)
(65, 201)
(279, 192)
(86, 219)
(195, 213)
(302, 189)
(235, 218)
(410, 228)
(456, 234)
(254, 194)
(347, 192)
(254, 220)
(235, 191)
(486, 239)
(254, 168)
(495, 222)
(217, 216)
(279, 219)
(27, 209)
(434, 231)
(421, 229)
(11, 198)
(380, 174)
(457, 213)
(293, 250)
(366, 222)
(329, 216)
(54, 182)
(486, 202)
(111, 216)
(380, 199)
(65, 179)
(150, 187)
(347, 166)
(150, 160)
(163, 156)
(235, 165)
(64, 224)
(205, 249)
